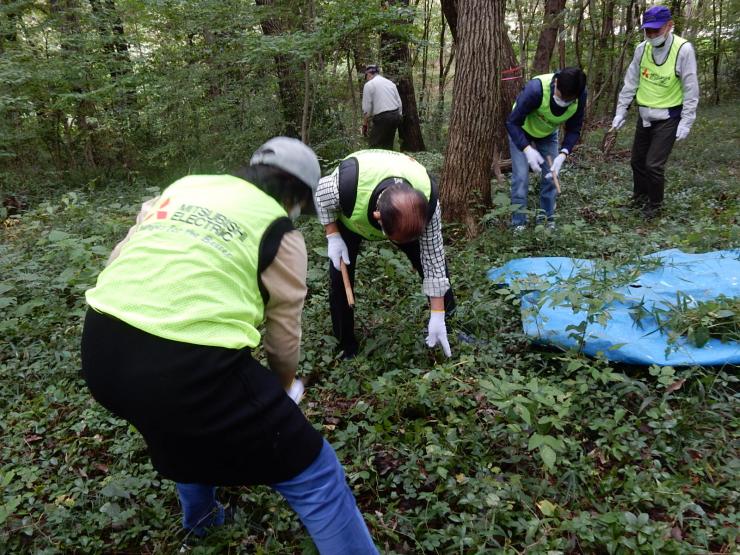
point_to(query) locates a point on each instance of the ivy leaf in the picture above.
(548, 456)
(546, 507)
(701, 336)
(56, 235)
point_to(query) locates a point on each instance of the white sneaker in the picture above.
(519, 228)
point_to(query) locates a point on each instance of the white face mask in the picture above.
(657, 42)
(560, 102)
(294, 212)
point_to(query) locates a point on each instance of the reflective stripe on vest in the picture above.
(542, 122)
(659, 86)
(189, 272)
(375, 166)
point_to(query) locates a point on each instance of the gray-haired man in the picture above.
(382, 103)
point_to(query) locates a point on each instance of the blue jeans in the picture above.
(547, 146)
(320, 495)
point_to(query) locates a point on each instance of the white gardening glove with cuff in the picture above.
(437, 332)
(296, 390)
(682, 132)
(619, 121)
(557, 164)
(534, 159)
(337, 249)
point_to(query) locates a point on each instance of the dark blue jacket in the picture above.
(528, 101)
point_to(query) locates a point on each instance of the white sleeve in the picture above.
(631, 81)
(686, 70)
(367, 99)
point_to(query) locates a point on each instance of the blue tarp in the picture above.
(616, 332)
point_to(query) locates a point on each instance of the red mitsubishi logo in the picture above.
(161, 214)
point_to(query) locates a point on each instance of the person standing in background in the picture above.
(662, 77)
(381, 103)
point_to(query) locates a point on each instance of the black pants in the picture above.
(342, 316)
(650, 151)
(383, 130)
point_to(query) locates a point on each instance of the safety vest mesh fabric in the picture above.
(542, 122)
(189, 272)
(659, 86)
(375, 166)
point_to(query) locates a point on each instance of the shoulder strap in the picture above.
(433, 196)
(348, 175)
(269, 245)
(678, 52)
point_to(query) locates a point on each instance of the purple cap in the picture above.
(656, 17)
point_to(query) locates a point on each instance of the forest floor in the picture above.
(443, 455)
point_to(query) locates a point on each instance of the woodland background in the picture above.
(506, 447)
(117, 90)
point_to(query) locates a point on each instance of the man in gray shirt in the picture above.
(382, 103)
(662, 78)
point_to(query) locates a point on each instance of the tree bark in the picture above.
(110, 28)
(67, 15)
(289, 71)
(716, 47)
(9, 26)
(476, 125)
(601, 78)
(548, 36)
(423, 93)
(449, 10)
(396, 51)
(444, 69)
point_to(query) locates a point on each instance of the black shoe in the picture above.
(636, 202)
(349, 352)
(651, 211)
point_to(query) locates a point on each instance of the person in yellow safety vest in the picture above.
(662, 78)
(168, 337)
(375, 195)
(546, 102)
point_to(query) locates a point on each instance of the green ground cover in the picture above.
(505, 448)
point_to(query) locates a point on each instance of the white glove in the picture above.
(296, 390)
(556, 165)
(619, 121)
(437, 332)
(337, 249)
(682, 132)
(534, 158)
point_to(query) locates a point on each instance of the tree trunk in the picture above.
(548, 35)
(423, 93)
(449, 10)
(67, 14)
(628, 26)
(475, 124)
(396, 51)
(9, 26)
(110, 28)
(677, 13)
(600, 79)
(577, 33)
(716, 47)
(289, 71)
(444, 69)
